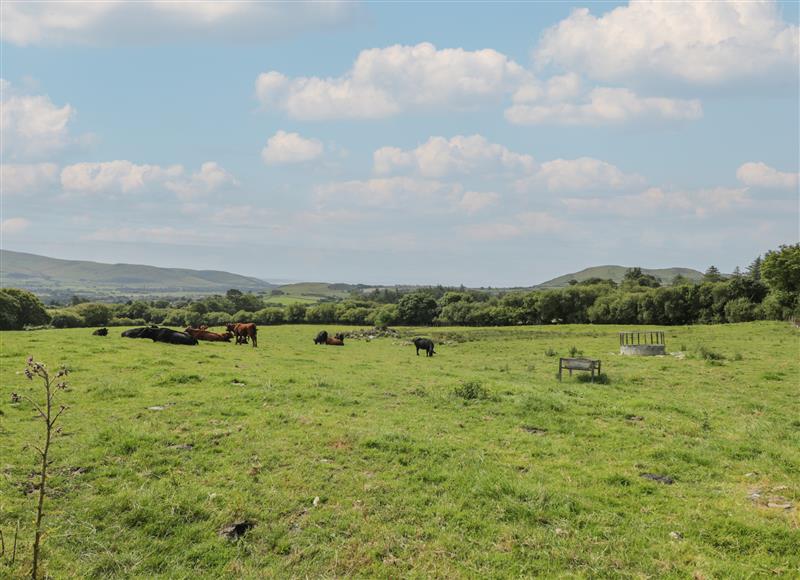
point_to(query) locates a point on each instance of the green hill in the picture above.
(54, 278)
(616, 273)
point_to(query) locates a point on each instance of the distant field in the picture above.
(316, 289)
(532, 477)
(290, 299)
(308, 293)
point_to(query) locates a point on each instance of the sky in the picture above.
(484, 144)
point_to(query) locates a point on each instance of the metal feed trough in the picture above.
(578, 364)
(647, 343)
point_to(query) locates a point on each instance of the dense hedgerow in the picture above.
(769, 291)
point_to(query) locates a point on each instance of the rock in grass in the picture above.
(666, 479)
(782, 505)
(676, 535)
(236, 530)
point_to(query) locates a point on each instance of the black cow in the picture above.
(168, 335)
(137, 332)
(100, 332)
(425, 344)
(322, 337)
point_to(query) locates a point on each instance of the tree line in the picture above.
(769, 289)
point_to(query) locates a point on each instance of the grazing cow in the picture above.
(100, 332)
(425, 344)
(242, 331)
(168, 335)
(321, 337)
(201, 334)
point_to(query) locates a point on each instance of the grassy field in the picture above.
(529, 477)
(287, 299)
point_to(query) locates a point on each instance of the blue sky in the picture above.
(475, 143)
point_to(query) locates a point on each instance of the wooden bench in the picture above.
(578, 364)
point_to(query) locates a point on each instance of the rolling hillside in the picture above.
(616, 273)
(51, 277)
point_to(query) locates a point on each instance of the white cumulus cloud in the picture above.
(124, 177)
(285, 147)
(211, 177)
(439, 157)
(697, 42)
(32, 125)
(582, 174)
(601, 106)
(385, 81)
(762, 175)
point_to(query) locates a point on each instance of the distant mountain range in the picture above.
(616, 273)
(54, 278)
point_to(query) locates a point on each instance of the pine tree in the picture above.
(754, 269)
(712, 274)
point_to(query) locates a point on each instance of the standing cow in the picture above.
(425, 344)
(242, 331)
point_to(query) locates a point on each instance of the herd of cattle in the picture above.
(243, 332)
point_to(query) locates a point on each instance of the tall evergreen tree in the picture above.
(712, 274)
(754, 269)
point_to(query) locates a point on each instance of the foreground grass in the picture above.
(528, 477)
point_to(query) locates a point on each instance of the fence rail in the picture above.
(637, 338)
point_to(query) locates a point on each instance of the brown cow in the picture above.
(201, 334)
(242, 331)
(338, 340)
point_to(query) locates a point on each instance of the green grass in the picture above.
(317, 290)
(475, 463)
(291, 299)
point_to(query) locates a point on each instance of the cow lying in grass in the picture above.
(100, 332)
(323, 338)
(202, 334)
(157, 334)
(425, 344)
(168, 335)
(337, 340)
(136, 332)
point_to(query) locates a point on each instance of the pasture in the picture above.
(476, 462)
